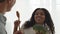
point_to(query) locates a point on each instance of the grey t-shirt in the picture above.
(2, 24)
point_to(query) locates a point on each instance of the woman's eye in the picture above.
(42, 14)
(36, 14)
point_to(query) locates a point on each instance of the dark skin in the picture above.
(16, 24)
(18, 32)
(39, 17)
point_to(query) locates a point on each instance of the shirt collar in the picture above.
(3, 18)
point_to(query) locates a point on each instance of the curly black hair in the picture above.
(47, 21)
(2, 1)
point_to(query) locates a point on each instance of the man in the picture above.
(5, 6)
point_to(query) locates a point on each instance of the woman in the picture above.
(40, 16)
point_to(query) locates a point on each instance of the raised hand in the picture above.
(18, 32)
(17, 22)
(18, 15)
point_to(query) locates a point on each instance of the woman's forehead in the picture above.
(39, 11)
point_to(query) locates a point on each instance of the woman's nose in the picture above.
(39, 15)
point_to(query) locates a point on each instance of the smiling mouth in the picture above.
(38, 19)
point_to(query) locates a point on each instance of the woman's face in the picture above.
(39, 16)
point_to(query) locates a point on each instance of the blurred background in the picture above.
(26, 7)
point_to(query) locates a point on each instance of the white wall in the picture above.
(26, 7)
(57, 17)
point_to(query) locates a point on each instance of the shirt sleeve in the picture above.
(2, 29)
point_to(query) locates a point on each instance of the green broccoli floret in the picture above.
(39, 28)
